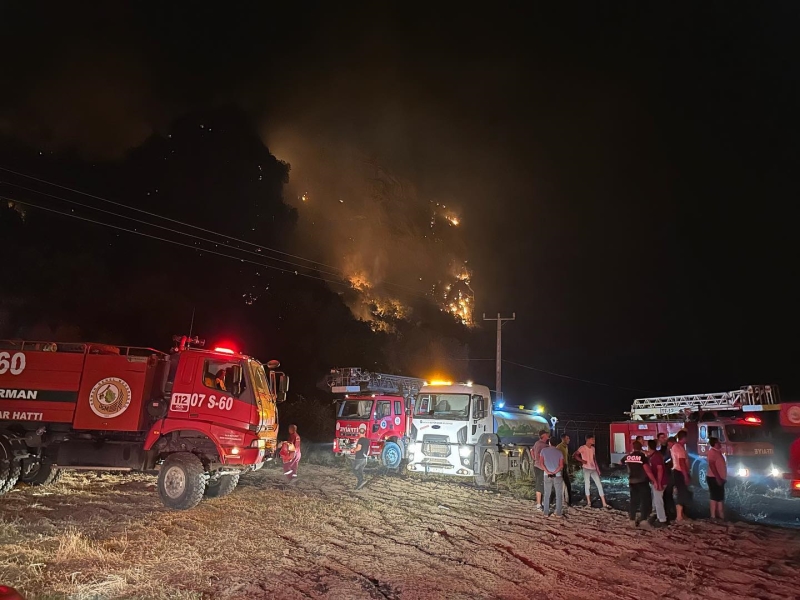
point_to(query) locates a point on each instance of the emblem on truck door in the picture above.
(110, 397)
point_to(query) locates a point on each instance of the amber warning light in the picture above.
(752, 420)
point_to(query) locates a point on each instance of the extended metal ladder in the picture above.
(748, 398)
(355, 380)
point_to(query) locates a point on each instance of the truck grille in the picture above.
(435, 445)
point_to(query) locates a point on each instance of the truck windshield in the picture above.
(443, 406)
(355, 409)
(746, 433)
(259, 377)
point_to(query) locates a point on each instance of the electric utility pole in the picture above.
(498, 366)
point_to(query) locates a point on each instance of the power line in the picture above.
(191, 235)
(155, 237)
(120, 204)
(554, 374)
(339, 273)
(516, 364)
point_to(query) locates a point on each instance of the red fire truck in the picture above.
(199, 417)
(731, 417)
(377, 406)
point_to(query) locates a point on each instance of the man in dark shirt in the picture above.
(361, 451)
(669, 498)
(656, 462)
(639, 476)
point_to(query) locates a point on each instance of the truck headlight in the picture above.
(464, 451)
(742, 472)
(775, 472)
(417, 448)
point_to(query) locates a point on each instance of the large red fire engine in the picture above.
(731, 417)
(199, 417)
(376, 406)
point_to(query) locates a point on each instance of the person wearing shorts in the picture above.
(716, 475)
(680, 472)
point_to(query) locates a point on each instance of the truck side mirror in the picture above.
(283, 387)
(236, 380)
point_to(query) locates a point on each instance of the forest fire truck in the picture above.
(200, 418)
(457, 430)
(731, 417)
(376, 406)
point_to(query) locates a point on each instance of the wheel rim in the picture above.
(174, 482)
(525, 467)
(391, 456)
(701, 477)
(488, 467)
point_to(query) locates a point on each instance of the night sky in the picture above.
(624, 176)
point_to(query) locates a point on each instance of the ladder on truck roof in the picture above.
(751, 397)
(355, 380)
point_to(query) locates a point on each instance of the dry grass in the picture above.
(108, 537)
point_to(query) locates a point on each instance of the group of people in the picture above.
(659, 468)
(658, 476)
(290, 456)
(551, 472)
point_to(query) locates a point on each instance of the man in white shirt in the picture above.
(586, 456)
(681, 475)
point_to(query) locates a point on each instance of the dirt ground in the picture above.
(107, 536)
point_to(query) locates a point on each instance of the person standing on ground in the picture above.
(586, 456)
(639, 487)
(538, 471)
(553, 464)
(360, 453)
(294, 440)
(659, 480)
(716, 476)
(669, 491)
(681, 476)
(639, 439)
(287, 455)
(564, 447)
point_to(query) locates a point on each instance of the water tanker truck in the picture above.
(457, 430)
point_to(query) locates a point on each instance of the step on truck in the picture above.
(734, 418)
(457, 430)
(199, 418)
(377, 406)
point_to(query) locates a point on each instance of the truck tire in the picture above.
(182, 481)
(392, 455)
(9, 473)
(701, 474)
(525, 463)
(223, 486)
(484, 476)
(10, 467)
(40, 474)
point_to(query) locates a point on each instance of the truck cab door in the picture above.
(481, 421)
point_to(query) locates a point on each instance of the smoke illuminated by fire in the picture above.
(392, 246)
